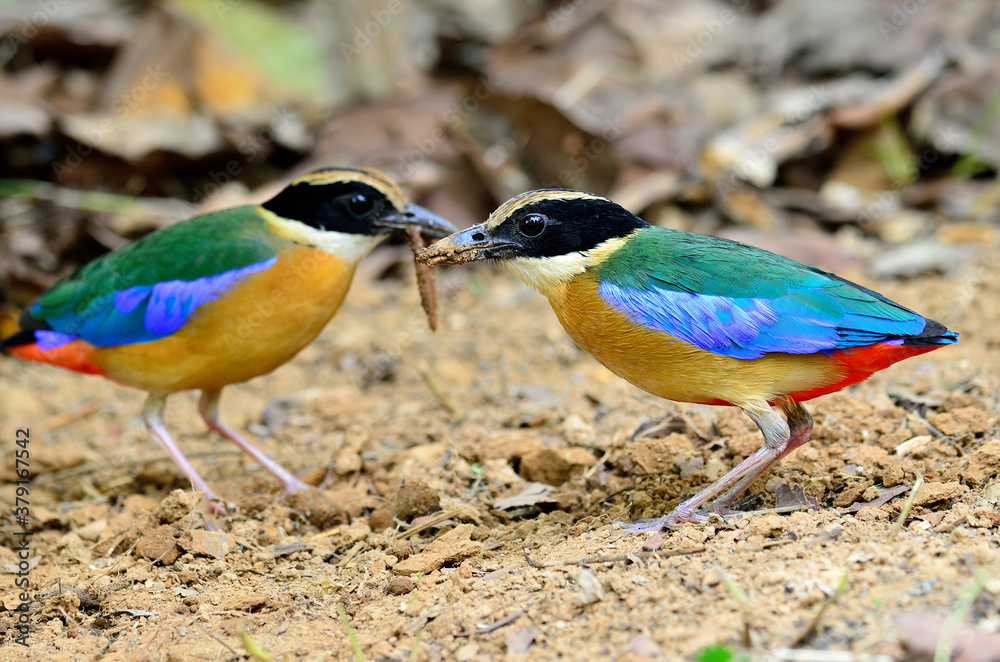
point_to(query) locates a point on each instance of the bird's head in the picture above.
(347, 211)
(545, 237)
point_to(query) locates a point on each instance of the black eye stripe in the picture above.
(568, 225)
(347, 206)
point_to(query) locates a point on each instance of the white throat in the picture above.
(350, 248)
(545, 274)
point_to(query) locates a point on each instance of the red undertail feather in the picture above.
(76, 356)
(862, 363)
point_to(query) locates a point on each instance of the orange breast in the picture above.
(677, 370)
(261, 323)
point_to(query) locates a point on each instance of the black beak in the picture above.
(430, 224)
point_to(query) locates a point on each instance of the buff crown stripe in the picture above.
(531, 197)
(371, 177)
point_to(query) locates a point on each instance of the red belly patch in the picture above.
(76, 355)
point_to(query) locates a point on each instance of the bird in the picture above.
(219, 298)
(694, 318)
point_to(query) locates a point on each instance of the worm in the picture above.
(425, 279)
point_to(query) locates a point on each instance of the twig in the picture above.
(325, 534)
(223, 612)
(70, 622)
(90, 200)
(437, 519)
(143, 654)
(904, 513)
(220, 641)
(442, 397)
(893, 95)
(67, 417)
(486, 629)
(814, 621)
(911, 417)
(771, 511)
(590, 472)
(585, 560)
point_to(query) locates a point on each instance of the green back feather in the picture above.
(202, 246)
(689, 262)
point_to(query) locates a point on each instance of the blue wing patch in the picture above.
(801, 322)
(46, 340)
(145, 312)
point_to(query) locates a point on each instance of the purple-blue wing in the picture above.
(744, 302)
(150, 289)
(143, 312)
(748, 328)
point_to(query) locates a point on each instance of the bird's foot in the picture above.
(640, 527)
(208, 406)
(152, 416)
(214, 504)
(679, 515)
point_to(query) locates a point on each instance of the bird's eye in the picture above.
(532, 225)
(360, 204)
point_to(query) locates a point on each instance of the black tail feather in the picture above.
(23, 337)
(29, 324)
(934, 333)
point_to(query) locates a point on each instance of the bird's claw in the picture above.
(639, 528)
(215, 505)
(679, 515)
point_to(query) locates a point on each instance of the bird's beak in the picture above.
(469, 245)
(429, 223)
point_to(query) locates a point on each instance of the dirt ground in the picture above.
(436, 429)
